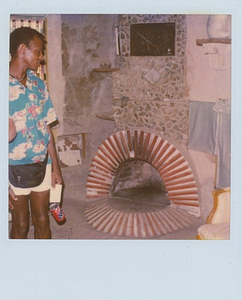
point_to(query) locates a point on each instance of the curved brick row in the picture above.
(173, 169)
(123, 146)
(136, 225)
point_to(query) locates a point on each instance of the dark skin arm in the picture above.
(56, 172)
(12, 134)
(13, 197)
(11, 130)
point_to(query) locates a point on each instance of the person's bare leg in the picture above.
(20, 218)
(39, 203)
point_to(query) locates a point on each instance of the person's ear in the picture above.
(21, 49)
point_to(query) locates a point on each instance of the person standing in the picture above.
(32, 111)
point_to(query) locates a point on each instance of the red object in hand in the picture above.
(57, 213)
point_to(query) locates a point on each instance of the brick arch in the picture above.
(171, 165)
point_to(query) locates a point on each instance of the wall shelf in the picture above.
(106, 116)
(200, 42)
(106, 70)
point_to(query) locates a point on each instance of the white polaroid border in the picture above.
(154, 269)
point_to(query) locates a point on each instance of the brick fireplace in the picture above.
(163, 158)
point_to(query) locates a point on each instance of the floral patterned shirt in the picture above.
(31, 109)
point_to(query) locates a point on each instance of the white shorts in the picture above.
(44, 186)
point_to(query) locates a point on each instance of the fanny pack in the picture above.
(27, 175)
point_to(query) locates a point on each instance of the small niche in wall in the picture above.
(152, 39)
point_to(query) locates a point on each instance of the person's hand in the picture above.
(12, 197)
(56, 178)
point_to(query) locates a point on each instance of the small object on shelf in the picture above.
(218, 26)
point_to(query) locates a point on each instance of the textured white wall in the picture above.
(202, 82)
(56, 81)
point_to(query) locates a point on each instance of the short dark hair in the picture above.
(24, 35)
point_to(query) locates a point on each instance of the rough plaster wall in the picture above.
(87, 40)
(56, 81)
(206, 169)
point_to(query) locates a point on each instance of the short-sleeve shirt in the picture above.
(31, 109)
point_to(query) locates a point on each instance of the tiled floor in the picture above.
(76, 226)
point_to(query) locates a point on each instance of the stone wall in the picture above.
(131, 82)
(168, 118)
(148, 91)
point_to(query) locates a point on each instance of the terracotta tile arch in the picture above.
(170, 163)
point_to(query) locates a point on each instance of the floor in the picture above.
(74, 204)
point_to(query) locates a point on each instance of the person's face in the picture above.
(34, 54)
